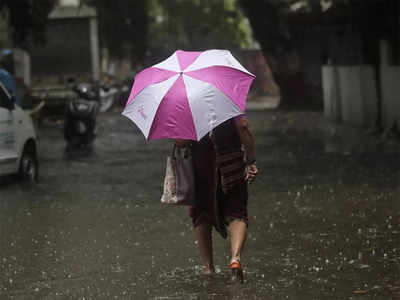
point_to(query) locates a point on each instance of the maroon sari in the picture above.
(221, 189)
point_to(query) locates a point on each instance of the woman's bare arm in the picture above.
(247, 139)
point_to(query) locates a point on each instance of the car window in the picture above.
(4, 96)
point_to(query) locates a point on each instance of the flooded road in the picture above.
(324, 219)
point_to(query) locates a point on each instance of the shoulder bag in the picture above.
(179, 178)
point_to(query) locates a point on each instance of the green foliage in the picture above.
(267, 18)
(123, 26)
(28, 20)
(196, 25)
(266, 22)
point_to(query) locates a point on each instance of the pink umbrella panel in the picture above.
(188, 94)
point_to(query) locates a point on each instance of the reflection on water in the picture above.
(324, 220)
(192, 284)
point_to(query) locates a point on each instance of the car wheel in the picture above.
(29, 166)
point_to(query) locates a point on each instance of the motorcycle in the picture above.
(107, 96)
(80, 118)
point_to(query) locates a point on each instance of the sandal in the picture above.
(236, 272)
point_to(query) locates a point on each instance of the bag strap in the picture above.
(173, 151)
(185, 154)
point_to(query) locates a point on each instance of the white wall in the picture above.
(390, 84)
(390, 87)
(331, 93)
(370, 96)
(22, 65)
(69, 2)
(350, 95)
(350, 92)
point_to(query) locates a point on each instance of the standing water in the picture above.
(324, 220)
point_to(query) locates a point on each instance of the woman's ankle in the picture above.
(235, 259)
(209, 269)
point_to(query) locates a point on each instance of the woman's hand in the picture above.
(251, 172)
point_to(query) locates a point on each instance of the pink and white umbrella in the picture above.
(188, 94)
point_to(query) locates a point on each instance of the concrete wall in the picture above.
(390, 87)
(72, 48)
(66, 53)
(390, 84)
(22, 67)
(331, 93)
(350, 95)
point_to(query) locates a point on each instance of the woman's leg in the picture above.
(237, 230)
(204, 239)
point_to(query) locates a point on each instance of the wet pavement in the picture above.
(324, 222)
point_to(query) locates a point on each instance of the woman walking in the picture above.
(222, 171)
(183, 97)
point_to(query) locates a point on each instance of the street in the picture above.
(324, 219)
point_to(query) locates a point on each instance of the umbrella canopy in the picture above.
(188, 94)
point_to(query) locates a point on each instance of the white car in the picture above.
(18, 152)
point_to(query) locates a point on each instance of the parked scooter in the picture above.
(80, 118)
(107, 96)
